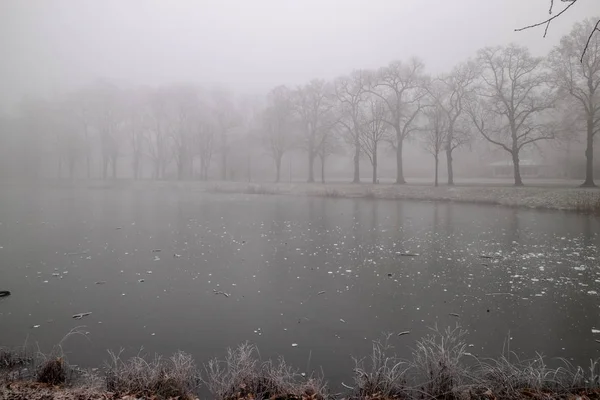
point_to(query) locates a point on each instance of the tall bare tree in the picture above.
(108, 117)
(450, 93)
(400, 86)
(350, 91)
(512, 98)
(435, 133)
(580, 78)
(313, 105)
(157, 139)
(373, 129)
(204, 138)
(183, 106)
(136, 127)
(328, 140)
(227, 118)
(279, 126)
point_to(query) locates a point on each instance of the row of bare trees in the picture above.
(504, 95)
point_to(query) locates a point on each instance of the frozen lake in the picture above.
(329, 275)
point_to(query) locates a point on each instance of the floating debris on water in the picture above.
(100, 282)
(156, 250)
(403, 333)
(294, 344)
(81, 315)
(321, 292)
(221, 292)
(454, 314)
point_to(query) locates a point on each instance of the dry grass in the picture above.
(15, 364)
(588, 203)
(242, 375)
(382, 374)
(440, 368)
(175, 377)
(437, 362)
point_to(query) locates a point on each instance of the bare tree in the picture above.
(350, 92)
(400, 86)
(450, 95)
(68, 136)
(313, 104)
(136, 127)
(108, 116)
(157, 139)
(435, 134)
(373, 129)
(278, 125)
(328, 141)
(227, 118)
(580, 78)
(204, 141)
(511, 100)
(183, 106)
(81, 103)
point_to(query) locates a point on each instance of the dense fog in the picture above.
(296, 91)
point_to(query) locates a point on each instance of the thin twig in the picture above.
(548, 21)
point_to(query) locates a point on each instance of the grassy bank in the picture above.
(567, 198)
(440, 368)
(553, 198)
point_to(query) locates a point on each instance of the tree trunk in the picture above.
(589, 155)
(375, 163)
(136, 166)
(105, 160)
(516, 168)
(450, 168)
(437, 163)
(224, 152)
(356, 178)
(114, 167)
(322, 169)
(399, 169)
(311, 161)
(278, 168)
(88, 167)
(71, 168)
(163, 169)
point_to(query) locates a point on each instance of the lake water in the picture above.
(273, 255)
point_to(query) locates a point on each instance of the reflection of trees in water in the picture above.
(512, 227)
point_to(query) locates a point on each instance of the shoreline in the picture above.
(558, 197)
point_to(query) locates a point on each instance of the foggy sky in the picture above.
(52, 46)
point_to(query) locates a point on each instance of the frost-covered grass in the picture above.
(440, 368)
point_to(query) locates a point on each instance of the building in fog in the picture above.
(529, 169)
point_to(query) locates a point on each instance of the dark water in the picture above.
(273, 255)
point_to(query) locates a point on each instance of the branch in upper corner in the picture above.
(549, 20)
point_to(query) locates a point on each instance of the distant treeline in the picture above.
(503, 96)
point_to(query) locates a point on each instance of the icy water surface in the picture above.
(312, 279)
